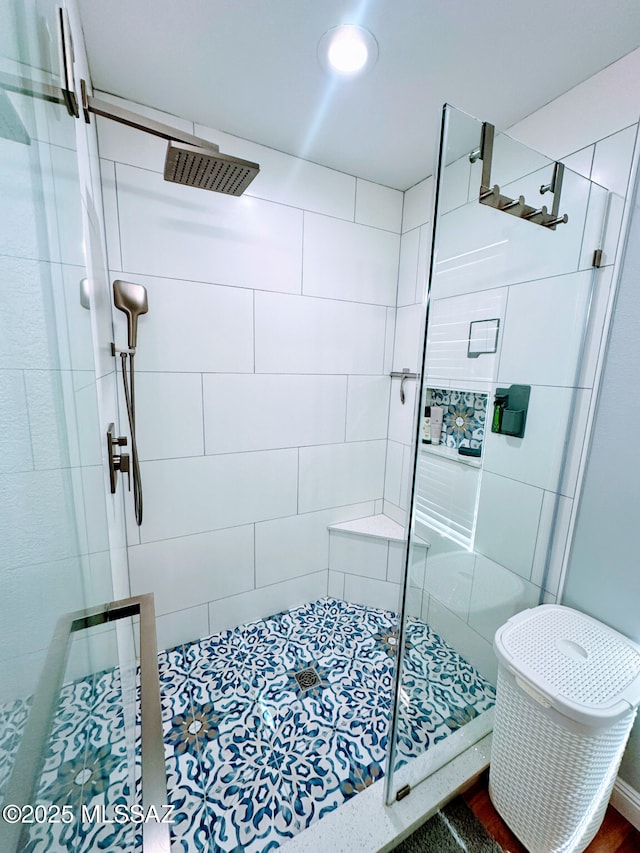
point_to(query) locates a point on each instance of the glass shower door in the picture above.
(55, 553)
(514, 310)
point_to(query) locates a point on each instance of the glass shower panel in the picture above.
(54, 549)
(505, 354)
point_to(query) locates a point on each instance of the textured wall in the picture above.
(603, 577)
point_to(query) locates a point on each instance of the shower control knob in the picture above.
(121, 463)
(117, 461)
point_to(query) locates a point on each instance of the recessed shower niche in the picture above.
(463, 418)
(448, 468)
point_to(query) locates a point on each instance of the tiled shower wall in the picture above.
(262, 386)
(265, 358)
(466, 596)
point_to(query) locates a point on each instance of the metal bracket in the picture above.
(403, 375)
(65, 49)
(102, 108)
(491, 195)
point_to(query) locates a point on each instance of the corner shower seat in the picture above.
(366, 563)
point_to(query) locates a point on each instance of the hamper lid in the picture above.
(571, 662)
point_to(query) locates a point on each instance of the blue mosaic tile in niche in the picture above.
(463, 418)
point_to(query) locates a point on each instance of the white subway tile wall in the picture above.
(367, 407)
(378, 206)
(340, 474)
(226, 613)
(361, 266)
(265, 401)
(306, 334)
(262, 375)
(201, 567)
(372, 593)
(172, 231)
(265, 411)
(286, 548)
(408, 273)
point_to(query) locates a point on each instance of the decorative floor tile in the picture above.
(440, 691)
(13, 719)
(186, 793)
(173, 672)
(267, 728)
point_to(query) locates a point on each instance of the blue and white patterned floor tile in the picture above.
(13, 719)
(252, 756)
(86, 765)
(440, 692)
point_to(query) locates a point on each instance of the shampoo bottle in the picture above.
(426, 426)
(436, 423)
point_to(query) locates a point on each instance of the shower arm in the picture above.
(54, 95)
(131, 119)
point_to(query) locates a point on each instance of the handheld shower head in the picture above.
(132, 300)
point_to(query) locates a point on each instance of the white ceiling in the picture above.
(249, 67)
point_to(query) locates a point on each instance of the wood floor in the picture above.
(616, 835)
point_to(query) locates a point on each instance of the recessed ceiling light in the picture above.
(348, 50)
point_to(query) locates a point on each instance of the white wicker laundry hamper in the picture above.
(568, 690)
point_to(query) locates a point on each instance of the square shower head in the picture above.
(208, 169)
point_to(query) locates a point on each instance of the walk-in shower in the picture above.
(292, 678)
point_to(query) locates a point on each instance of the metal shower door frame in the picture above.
(22, 787)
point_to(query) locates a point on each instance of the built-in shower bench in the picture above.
(366, 562)
(378, 526)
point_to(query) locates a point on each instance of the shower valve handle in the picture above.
(122, 464)
(117, 461)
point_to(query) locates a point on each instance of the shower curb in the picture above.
(365, 825)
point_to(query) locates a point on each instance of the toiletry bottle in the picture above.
(499, 405)
(426, 426)
(437, 413)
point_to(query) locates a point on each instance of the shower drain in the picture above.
(308, 678)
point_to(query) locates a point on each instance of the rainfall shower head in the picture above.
(190, 160)
(132, 299)
(208, 169)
